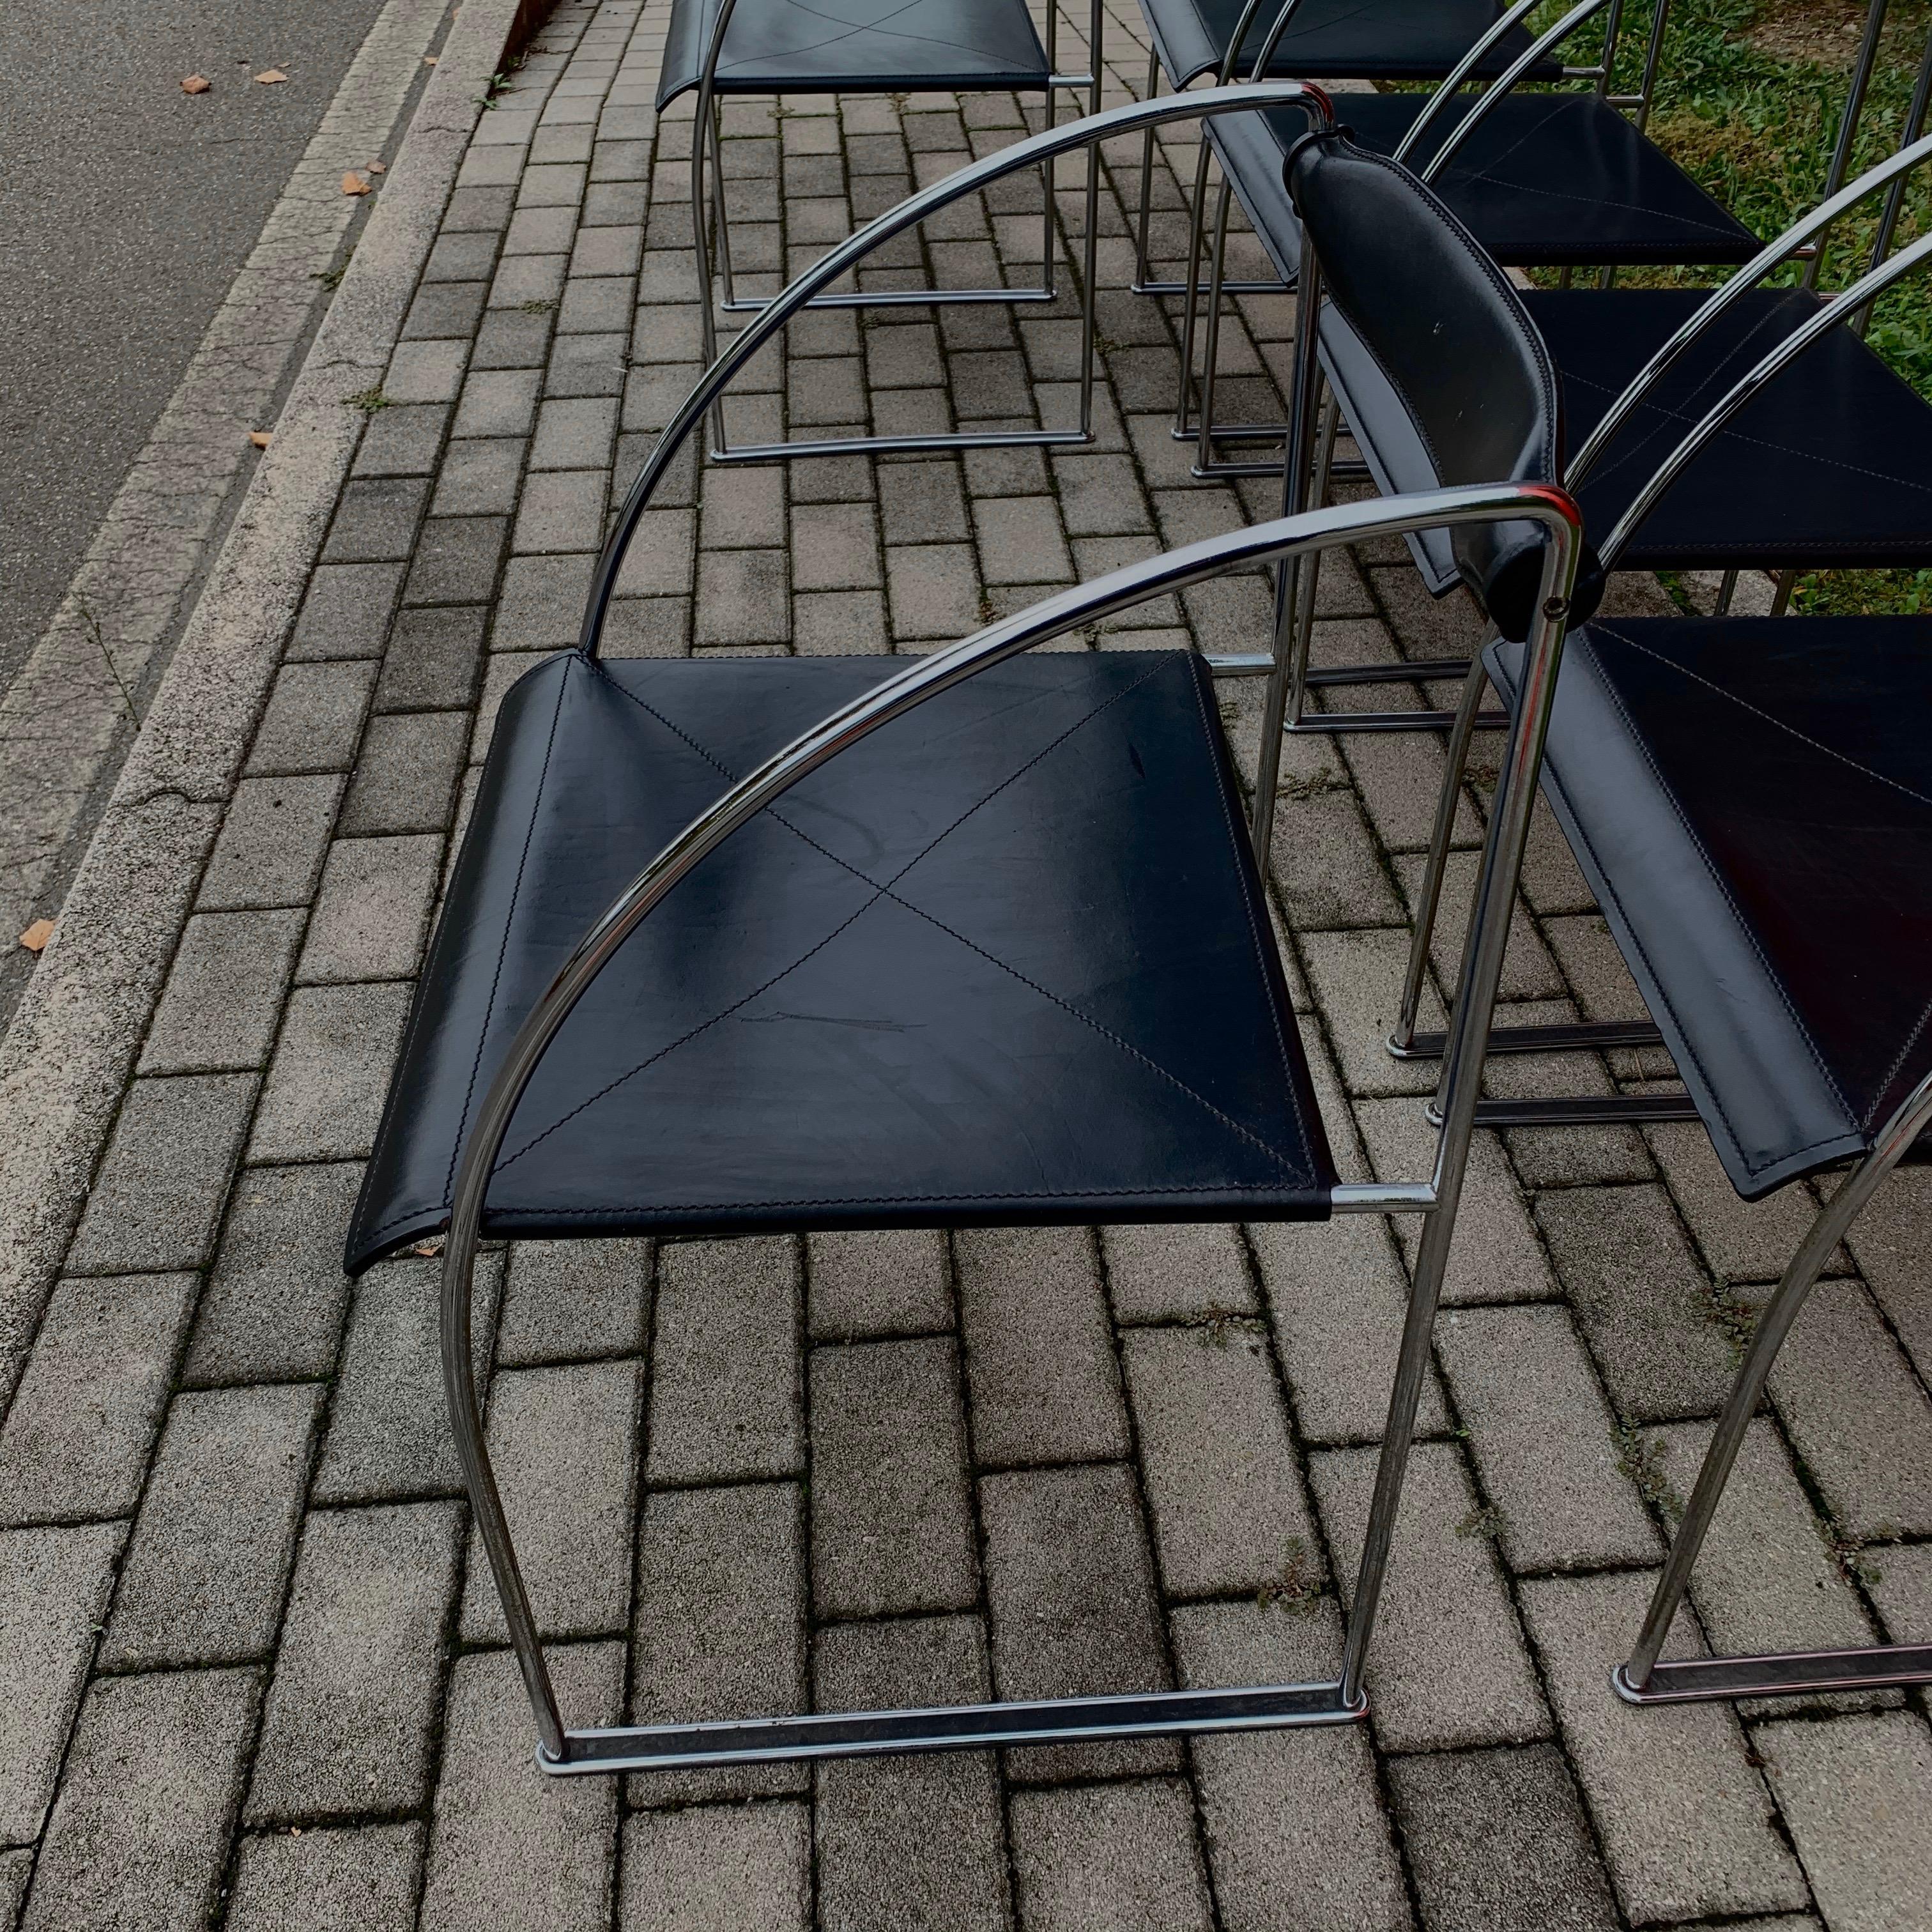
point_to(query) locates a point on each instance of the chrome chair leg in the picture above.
(1143, 268)
(1644, 1679)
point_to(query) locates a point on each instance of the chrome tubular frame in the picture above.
(1038, 149)
(623, 1747)
(1206, 465)
(705, 136)
(1644, 1679)
(1143, 283)
(1404, 1042)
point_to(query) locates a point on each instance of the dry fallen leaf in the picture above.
(354, 184)
(377, 168)
(37, 935)
(429, 1248)
(271, 76)
(429, 60)
(197, 83)
(261, 438)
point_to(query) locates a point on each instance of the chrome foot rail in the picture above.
(951, 1727)
(1790, 1673)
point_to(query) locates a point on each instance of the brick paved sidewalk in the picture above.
(253, 1673)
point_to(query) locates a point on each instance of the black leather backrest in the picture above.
(1454, 343)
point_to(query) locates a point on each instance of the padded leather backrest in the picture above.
(1455, 344)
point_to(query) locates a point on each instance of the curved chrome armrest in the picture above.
(1746, 278)
(1839, 309)
(1284, 538)
(925, 677)
(1452, 81)
(1288, 10)
(1485, 103)
(763, 326)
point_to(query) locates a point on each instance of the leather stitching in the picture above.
(1288, 1165)
(1803, 738)
(1581, 638)
(503, 948)
(1502, 287)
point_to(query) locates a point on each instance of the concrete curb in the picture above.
(71, 1049)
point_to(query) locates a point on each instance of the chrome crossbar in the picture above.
(950, 1727)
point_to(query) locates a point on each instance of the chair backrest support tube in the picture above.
(1485, 103)
(1740, 284)
(1848, 122)
(1029, 153)
(1461, 72)
(1859, 296)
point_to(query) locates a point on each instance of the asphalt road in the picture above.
(126, 209)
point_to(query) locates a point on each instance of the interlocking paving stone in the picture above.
(885, 1283)
(346, 613)
(1110, 1858)
(53, 1588)
(1859, 1417)
(1433, 1682)
(358, 1679)
(510, 1846)
(1855, 1793)
(565, 1300)
(720, 1623)
(406, 777)
(202, 1582)
(388, 1424)
(139, 1832)
(1684, 1817)
(362, 1880)
(324, 1093)
(372, 912)
(1073, 1604)
(910, 1841)
(76, 1439)
(562, 1443)
(1543, 1441)
(270, 850)
(1644, 1303)
(726, 1396)
(1226, 1497)
(892, 1526)
(1039, 1358)
(1174, 1273)
(714, 1869)
(1336, 1296)
(1766, 1579)
(273, 1308)
(224, 993)
(158, 1194)
(1498, 1841)
(1296, 1831)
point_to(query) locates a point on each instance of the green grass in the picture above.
(1748, 101)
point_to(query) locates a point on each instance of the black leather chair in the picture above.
(1831, 468)
(1752, 427)
(983, 941)
(1381, 40)
(1750, 798)
(720, 48)
(1549, 180)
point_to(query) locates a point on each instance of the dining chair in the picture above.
(1750, 799)
(786, 944)
(722, 48)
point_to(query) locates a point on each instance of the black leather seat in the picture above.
(1332, 39)
(1751, 801)
(1830, 468)
(840, 46)
(1545, 180)
(1007, 960)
